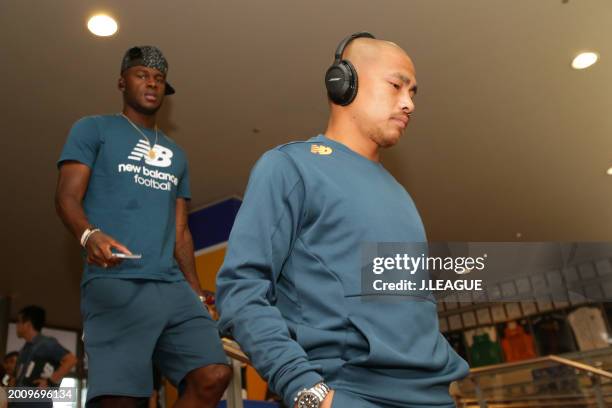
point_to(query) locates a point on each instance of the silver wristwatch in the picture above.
(312, 397)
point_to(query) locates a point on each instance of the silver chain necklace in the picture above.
(151, 152)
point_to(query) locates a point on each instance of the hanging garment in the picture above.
(517, 344)
(553, 334)
(589, 328)
(484, 351)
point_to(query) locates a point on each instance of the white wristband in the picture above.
(86, 234)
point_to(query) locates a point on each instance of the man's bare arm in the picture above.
(71, 187)
(183, 249)
(64, 368)
(66, 364)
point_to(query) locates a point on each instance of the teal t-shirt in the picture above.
(131, 196)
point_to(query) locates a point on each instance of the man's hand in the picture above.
(41, 383)
(99, 250)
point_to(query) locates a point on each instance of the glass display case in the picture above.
(580, 379)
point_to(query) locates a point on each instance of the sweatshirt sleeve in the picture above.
(261, 239)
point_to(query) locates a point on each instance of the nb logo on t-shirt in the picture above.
(161, 158)
(321, 149)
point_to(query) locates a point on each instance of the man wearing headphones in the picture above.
(290, 288)
(124, 184)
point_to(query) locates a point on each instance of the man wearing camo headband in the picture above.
(122, 192)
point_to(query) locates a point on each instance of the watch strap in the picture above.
(319, 390)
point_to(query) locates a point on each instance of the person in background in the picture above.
(9, 362)
(42, 361)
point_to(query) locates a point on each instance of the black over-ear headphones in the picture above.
(341, 77)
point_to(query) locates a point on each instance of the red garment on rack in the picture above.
(517, 344)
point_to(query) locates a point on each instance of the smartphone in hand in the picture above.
(126, 256)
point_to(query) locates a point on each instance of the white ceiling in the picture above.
(506, 137)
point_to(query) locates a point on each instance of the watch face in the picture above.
(308, 400)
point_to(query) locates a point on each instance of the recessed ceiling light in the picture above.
(585, 60)
(102, 25)
(609, 172)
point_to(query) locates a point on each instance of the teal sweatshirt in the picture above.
(290, 293)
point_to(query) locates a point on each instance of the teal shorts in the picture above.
(130, 324)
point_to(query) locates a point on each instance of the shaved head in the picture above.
(381, 110)
(365, 52)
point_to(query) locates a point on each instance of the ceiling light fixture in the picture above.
(585, 60)
(609, 172)
(102, 25)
